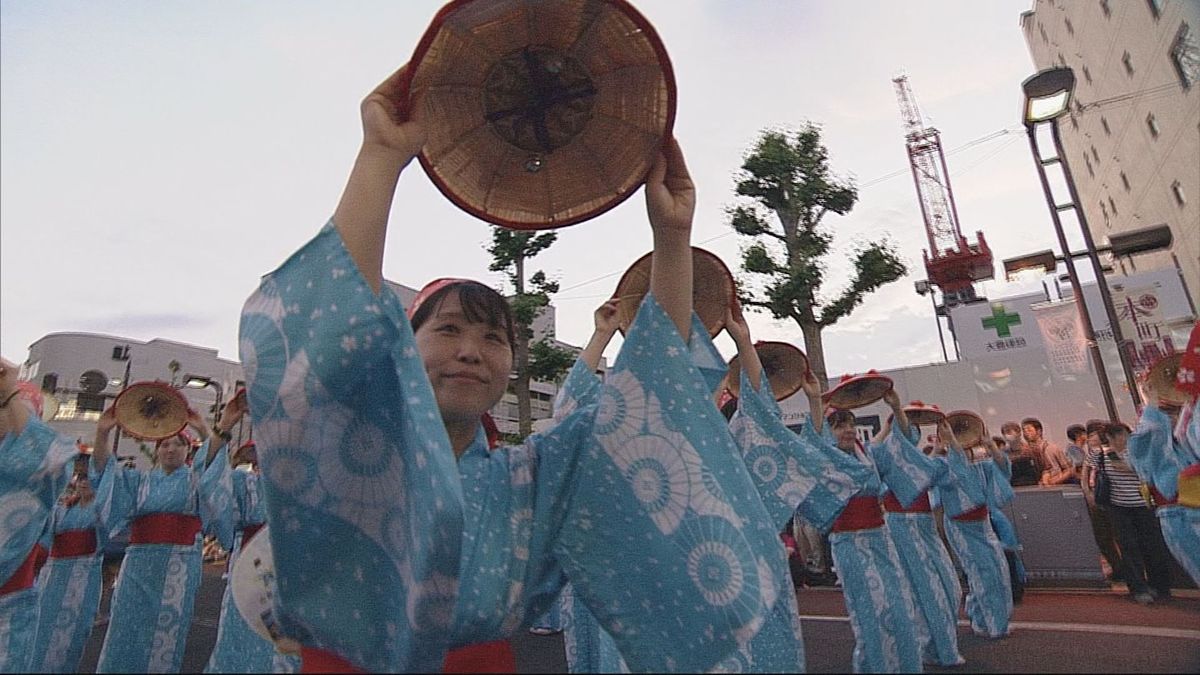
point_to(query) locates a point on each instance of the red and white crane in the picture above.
(953, 264)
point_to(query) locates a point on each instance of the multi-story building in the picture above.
(1132, 137)
(84, 372)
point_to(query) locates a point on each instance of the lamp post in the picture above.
(202, 381)
(922, 287)
(1048, 96)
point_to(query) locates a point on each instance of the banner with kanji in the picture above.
(1063, 336)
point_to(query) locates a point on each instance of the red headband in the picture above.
(429, 289)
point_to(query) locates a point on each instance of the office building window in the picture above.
(1177, 190)
(1070, 28)
(1095, 155)
(1185, 56)
(1104, 123)
(1152, 124)
(1128, 61)
(1104, 210)
(1088, 161)
(1125, 181)
(1112, 206)
(1106, 9)
(1087, 74)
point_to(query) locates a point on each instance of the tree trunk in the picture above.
(816, 353)
(521, 359)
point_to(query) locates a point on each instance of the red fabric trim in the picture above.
(24, 575)
(165, 528)
(42, 556)
(73, 543)
(1159, 499)
(977, 513)
(893, 505)
(485, 657)
(313, 660)
(249, 531)
(861, 513)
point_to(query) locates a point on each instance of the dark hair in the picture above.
(1034, 422)
(729, 408)
(1118, 426)
(839, 417)
(480, 304)
(1100, 426)
(1007, 426)
(999, 440)
(1076, 430)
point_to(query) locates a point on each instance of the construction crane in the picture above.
(953, 264)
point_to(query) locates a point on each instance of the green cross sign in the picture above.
(1000, 321)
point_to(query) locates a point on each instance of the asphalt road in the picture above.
(1054, 631)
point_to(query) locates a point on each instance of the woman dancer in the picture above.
(238, 648)
(166, 508)
(32, 476)
(924, 558)
(70, 582)
(878, 595)
(390, 553)
(1159, 456)
(989, 600)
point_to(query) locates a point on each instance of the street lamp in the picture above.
(1047, 98)
(202, 381)
(922, 287)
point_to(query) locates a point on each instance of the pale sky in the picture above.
(156, 158)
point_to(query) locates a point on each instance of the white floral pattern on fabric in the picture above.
(622, 409)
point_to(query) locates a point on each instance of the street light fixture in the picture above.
(923, 287)
(1047, 98)
(202, 381)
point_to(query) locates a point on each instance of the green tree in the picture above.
(532, 359)
(787, 174)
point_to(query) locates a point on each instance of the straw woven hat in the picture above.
(151, 410)
(856, 391)
(922, 414)
(1164, 375)
(541, 114)
(968, 427)
(713, 290)
(783, 364)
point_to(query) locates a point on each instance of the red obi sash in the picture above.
(249, 531)
(977, 513)
(1159, 499)
(73, 543)
(893, 505)
(165, 528)
(861, 513)
(486, 657)
(24, 575)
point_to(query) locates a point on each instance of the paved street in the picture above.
(1060, 632)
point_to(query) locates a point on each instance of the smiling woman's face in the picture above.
(467, 361)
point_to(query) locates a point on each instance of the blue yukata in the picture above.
(989, 602)
(238, 648)
(1158, 456)
(927, 563)
(32, 476)
(155, 590)
(997, 488)
(888, 631)
(388, 553)
(70, 585)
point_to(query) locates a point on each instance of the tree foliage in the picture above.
(533, 359)
(787, 188)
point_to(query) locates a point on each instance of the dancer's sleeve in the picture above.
(663, 535)
(1154, 453)
(218, 505)
(959, 489)
(362, 492)
(908, 472)
(794, 473)
(32, 477)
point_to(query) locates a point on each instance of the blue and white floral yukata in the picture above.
(969, 531)
(888, 631)
(155, 590)
(70, 583)
(388, 554)
(927, 563)
(32, 476)
(1158, 455)
(238, 648)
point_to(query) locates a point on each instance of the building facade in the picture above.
(1132, 138)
